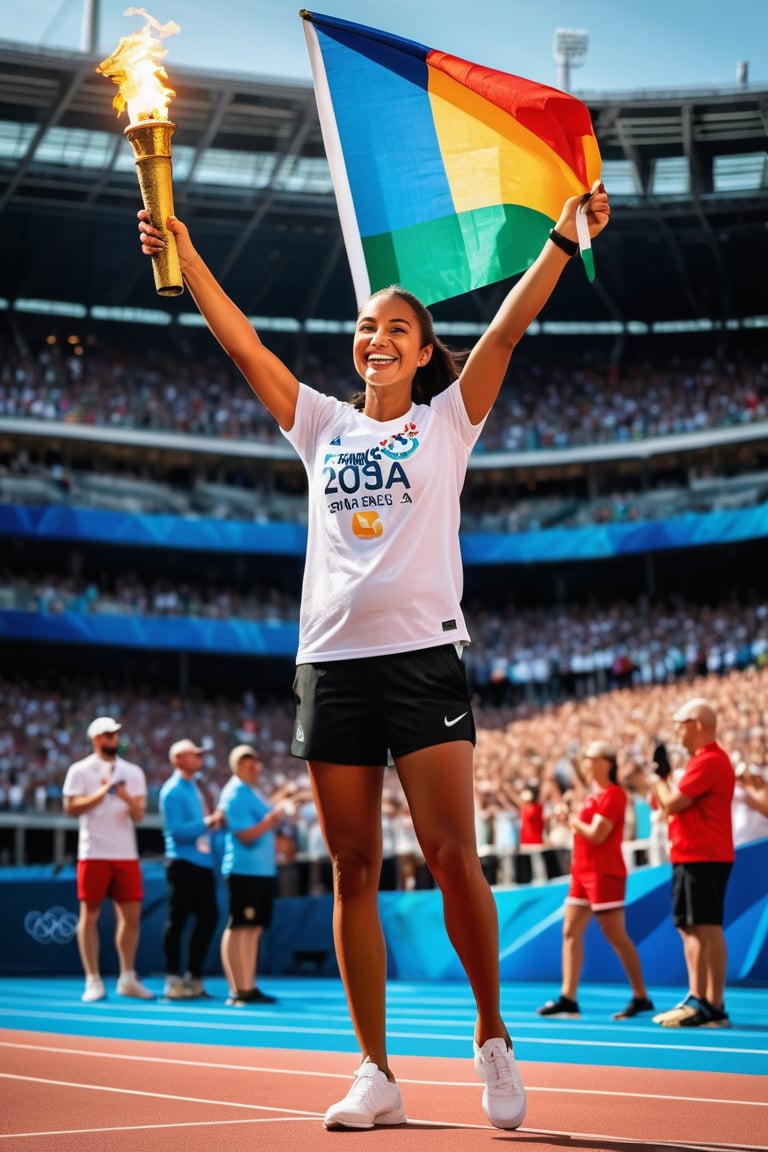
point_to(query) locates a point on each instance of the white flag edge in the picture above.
(335, 155)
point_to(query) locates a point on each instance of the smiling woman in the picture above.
(395, 329)
(379, 670)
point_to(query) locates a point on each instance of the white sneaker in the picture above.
(504, 1099)
(372, 1099)
(130, 985)
(195, 989)
(175, 989)
(94, 990)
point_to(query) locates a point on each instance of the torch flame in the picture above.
(136, 67)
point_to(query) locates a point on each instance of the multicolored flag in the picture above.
(448, 175)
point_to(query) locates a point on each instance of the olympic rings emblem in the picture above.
(56, 926)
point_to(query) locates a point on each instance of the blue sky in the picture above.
(633, 44)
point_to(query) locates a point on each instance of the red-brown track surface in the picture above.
(86, 1094)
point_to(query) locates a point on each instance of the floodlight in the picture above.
(569, 49)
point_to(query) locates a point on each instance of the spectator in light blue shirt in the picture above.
(250, 868)
(188, 825)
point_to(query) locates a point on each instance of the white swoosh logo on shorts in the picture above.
(450, 723)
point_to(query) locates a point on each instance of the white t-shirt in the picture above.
(383, 571)
(107, 831)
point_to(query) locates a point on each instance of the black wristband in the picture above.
(570, 247)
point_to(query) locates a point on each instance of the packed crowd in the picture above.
(520, 749)
(497, 508)
(540, 655)
(532, 656)
(129, 595)
(540, 748)
(545, 681)
(551, 401)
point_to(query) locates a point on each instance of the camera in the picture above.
(663, 768)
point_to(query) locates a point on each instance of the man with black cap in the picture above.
(189, 865)
(109, 796)
(698, 809)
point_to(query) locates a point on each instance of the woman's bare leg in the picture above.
(348, 800)
(439, 786)
(614, 928)
(575, 922)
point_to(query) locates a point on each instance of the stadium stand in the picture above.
(152, 519)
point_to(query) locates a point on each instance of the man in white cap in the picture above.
(701, 849)
(109, 796)
(189, 864)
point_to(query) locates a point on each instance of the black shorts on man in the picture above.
(251, 900)
(698, 892)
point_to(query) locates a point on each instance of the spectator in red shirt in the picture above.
(530, 807)
(598, 885)
(701, 849)
(531, 818)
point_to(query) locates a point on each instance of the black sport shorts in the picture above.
(251, 900)
(358, 711)
(698, 893)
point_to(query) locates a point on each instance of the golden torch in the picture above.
(136, 67)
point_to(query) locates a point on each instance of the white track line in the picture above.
(276, 1071)
(292, 1115)
(156, 1127)
(120, 1091)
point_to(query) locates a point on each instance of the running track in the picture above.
(128, 1075)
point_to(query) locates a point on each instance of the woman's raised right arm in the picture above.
(274, 383)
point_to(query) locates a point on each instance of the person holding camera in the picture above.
(109, 796)
(598, 884)
(698, 810)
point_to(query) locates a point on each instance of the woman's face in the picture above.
(387, 348)
(596, 769)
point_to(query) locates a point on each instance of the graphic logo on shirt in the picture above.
(364, 482)
(365, 525)
(403, 444)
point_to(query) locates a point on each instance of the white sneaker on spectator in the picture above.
(130, 985)
(175, 989)
(195, 989)
(372, 1099)
(504, 1099)
(94, 990)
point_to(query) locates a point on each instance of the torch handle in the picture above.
(151, 143)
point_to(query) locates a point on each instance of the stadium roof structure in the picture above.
(688, 174)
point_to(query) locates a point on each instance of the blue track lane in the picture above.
(423, 1020)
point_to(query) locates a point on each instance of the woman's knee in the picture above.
(356, 871)
(571, 932)
(451, 862)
